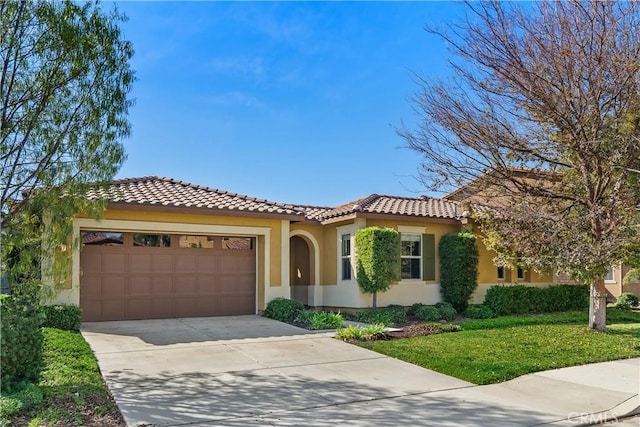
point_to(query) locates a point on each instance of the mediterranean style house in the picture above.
(165, 248)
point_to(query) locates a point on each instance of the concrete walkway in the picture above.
(247, 370)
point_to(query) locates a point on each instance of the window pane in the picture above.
(102, 238)
(609, 277)
(410, 268)
(346, 245)
(237, 243)
(410, 245)
(520, 273)
(152, 240)
(189, 241)
(500, 272)
(346, 269)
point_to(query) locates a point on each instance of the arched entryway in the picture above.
(303, 259)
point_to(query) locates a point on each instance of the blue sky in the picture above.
(292, 102)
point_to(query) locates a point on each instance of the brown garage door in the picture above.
(149, 276)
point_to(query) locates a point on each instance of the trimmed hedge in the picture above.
(458, 268)
(62, 316)
(389, 316)
(378, 262)
(283, 309)
(21, 342)
(520, 299)
(479, 311)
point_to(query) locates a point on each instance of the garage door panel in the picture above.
(184, 307)
(139, 286)
(139, 308)
(161, 306)
(140, 262)
(236, 284)
(207, 306)
(236, 304)
(207, 263)
(91, 286)
(207, 284)
(185, 285)
(114, 286)
(138, 282)
(162, 286)
(162, 263)
(186, 264)
(235, 264)
(113, 309)
(113, 263)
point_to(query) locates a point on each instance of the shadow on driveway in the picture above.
(263, 397)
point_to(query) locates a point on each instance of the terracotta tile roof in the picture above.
(423, 206)
(160, 191)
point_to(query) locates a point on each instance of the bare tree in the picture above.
(541, 123)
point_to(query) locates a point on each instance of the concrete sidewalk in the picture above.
(248, 370)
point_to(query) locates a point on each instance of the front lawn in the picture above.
(73, 391)
(496, 350)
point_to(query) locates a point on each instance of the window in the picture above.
(237, 243)
(500, 273)
(152, 240)
(188, 241)
(345, 256)
(411, 256)
(610, 277)
(520, 274)
(102, 238)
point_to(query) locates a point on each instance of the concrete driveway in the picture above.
(228, 370)
(248, 370)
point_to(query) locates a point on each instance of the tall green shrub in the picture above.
(458, 268)
(378, 264)
(20, 342)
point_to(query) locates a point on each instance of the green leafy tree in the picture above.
(64, 90)
(541, 122)
(378, 259)
(458, 268)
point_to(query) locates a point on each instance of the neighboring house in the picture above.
(482, 192)
(166, 248)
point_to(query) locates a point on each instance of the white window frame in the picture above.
(419, 257)
(612, 271)
(521, 276)
(343, 257)
(342, 230)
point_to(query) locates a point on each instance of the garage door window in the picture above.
(237, 243)
(102, 238)
(152, 240)
(196, 242)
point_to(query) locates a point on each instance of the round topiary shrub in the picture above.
(283, 309)
(479, 311)
(446, 310)
(626, 300)
(428, 313)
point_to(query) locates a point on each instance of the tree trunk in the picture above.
(598, 305)
(375, 299)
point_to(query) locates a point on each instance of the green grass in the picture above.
(71, 384)
(495, 350)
